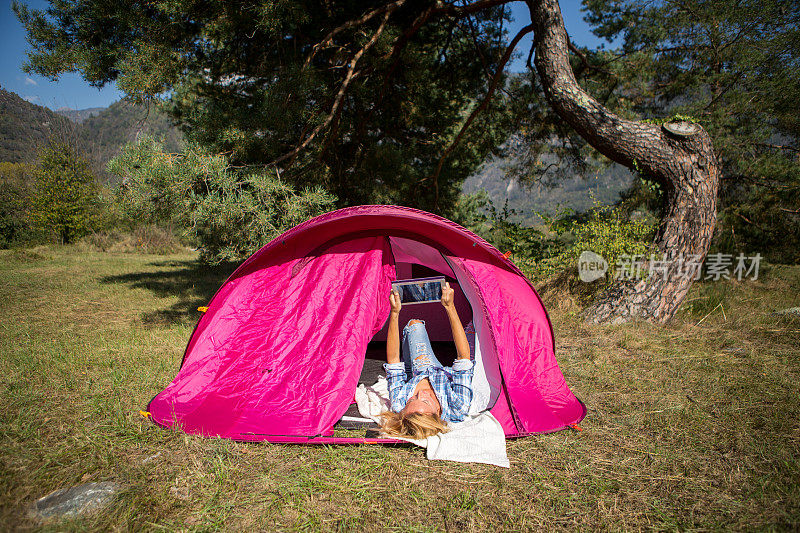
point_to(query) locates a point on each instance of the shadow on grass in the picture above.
(191, 281)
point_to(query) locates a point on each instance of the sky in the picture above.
(69, 91)
(72, 92)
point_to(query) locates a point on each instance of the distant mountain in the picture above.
(98, 132)
(575, 192)
(24, 127)
(121, 123)
(79, 115)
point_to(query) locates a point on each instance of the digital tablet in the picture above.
(419, 290)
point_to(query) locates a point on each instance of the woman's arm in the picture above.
(393, 333)
(395, 377)
(459, 336)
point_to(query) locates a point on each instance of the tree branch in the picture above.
(530, 56)
(446, 46)
(480, 53)
(478, 50)
(751, 222)
(387, 9)
(492, 86)
(778, 147)
(462, 11)
(585, 62)
(398, 46)
(723, 91)
(351, 73)
(621, 140)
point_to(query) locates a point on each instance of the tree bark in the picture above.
(684, 166)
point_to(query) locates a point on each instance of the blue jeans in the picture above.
(417, 350)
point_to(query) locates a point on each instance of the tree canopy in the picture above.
(734, 67)
(359, 97)
(393, 101)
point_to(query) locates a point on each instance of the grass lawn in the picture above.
(691, 426)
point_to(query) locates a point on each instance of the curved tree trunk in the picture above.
(685, 166)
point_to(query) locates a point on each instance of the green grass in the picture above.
(691, 426)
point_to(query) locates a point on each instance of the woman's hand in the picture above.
(448, 296)
(394, 301)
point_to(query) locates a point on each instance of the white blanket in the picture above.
(373, 400)
(478, 439)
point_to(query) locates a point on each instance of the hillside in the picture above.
(97, 132)
(25, 126)
(575, 192)
(121, 123)
(79, 115)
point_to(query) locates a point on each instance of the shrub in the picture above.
(608, 231)
(553, 248)
(16, 195)
(228, 212)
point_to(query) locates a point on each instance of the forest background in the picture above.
(207, 153)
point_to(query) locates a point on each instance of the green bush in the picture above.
(608, 231)
(16, 196)
(554, 247)
(227, 212)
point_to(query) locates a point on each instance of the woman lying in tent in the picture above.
(422, 405)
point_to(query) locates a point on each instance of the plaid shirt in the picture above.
(453, 387)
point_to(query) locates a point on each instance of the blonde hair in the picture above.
(414, 425)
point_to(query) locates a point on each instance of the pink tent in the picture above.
(278, 354)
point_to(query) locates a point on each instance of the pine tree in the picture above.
(228, 212)
(733, 66)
